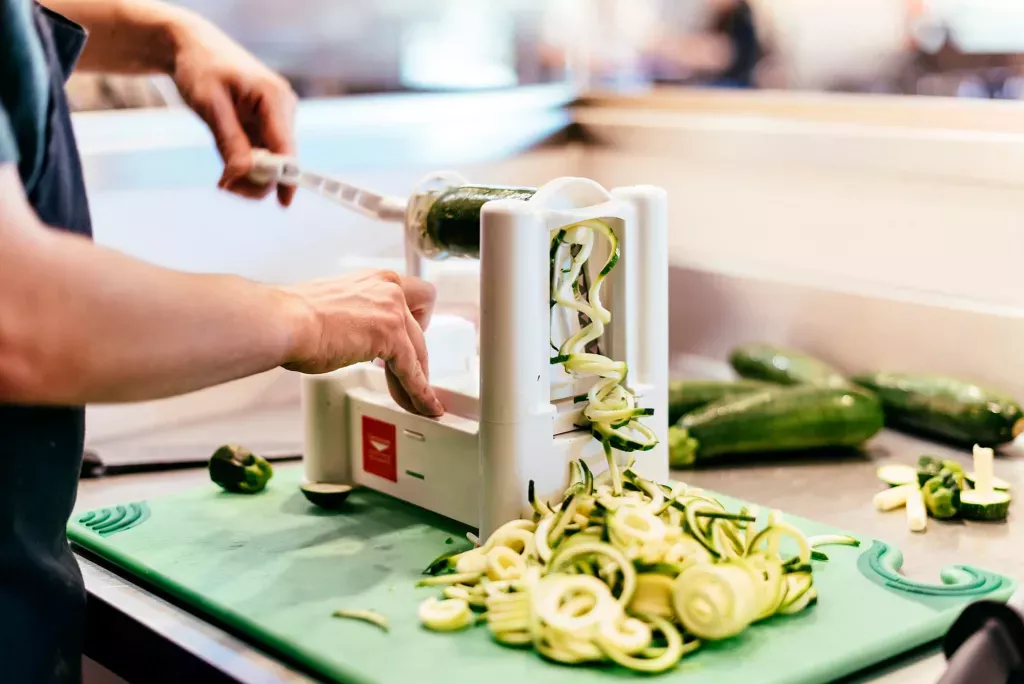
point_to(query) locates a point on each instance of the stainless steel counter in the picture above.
(836, 491)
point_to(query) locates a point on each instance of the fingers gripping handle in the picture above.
(269, 168)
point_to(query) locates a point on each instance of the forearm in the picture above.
(129, 36)
(84, 324)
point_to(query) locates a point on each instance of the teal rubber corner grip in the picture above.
(114, 519)
(881, 563)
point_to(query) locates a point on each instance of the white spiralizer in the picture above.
(510, 414)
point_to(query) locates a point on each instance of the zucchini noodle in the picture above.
(447, 615)
(621, 570)
(716, 601)
(611, 410)
(640, 578)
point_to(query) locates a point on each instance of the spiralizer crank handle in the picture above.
(275, 169)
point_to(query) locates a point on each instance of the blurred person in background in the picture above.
(723, 48)
(733, 20)
(82, 324)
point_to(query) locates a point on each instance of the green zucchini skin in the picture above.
(236, 469)
(781, 419)
(686, 395)
(453, 220)
(951, 410)
(783, 366)
(989, 512)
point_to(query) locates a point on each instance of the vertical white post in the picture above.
(647, 309)
(619, 295)
(326, 456)
(516, 415)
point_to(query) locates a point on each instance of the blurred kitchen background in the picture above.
(812, 202)
(329, 48)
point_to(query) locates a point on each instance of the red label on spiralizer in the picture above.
(380, 449)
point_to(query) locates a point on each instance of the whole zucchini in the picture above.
(685, 395)
(781, 419)
(783, 366)
(952, 410)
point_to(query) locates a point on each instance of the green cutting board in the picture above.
(274, 567)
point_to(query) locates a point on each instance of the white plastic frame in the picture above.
(474, 463)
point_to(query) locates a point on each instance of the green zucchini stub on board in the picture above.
(453, 221)
(238, 470)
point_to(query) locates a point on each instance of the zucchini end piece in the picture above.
(942, 496)
(997, 484)
(895, 475)
(682, 448)
(236, 469)
(324, 495)
(991, 507)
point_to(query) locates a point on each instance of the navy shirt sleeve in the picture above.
(8, 144)
(24, 90)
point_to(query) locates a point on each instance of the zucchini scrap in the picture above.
(941, 489)
(236, 469)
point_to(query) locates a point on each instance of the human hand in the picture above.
(365, 316)
(244, 103)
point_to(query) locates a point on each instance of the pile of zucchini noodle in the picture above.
(622, 569)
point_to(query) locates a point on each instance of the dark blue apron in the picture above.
(42, 598)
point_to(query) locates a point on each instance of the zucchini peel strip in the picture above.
(370, 616)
